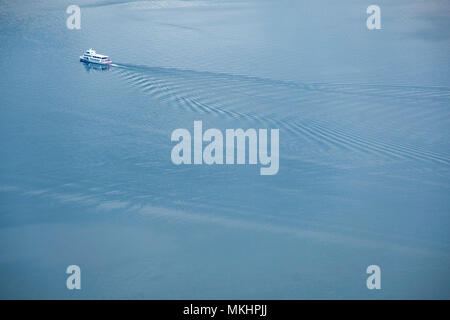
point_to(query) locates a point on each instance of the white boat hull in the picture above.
(83, 59)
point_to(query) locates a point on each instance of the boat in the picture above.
(93, 57)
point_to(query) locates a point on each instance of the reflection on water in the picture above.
(95, 67)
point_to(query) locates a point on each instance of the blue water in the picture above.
(86, 176)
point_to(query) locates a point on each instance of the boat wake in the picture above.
(346, 120)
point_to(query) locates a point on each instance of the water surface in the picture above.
(86, 176)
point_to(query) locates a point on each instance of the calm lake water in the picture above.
(86, 176)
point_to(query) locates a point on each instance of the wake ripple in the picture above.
(308, 111)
